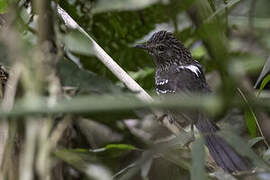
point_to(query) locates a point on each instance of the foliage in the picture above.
(68, 116)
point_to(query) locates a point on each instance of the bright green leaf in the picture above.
(3, 6)
(264, 72)
(264, 83)
(120, 147)
(251, 121)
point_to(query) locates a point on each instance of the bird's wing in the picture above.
(182, 79)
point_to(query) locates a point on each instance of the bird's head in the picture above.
(165, 49)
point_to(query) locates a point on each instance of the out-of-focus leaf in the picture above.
(262, 9)
(265, 71)
(109, 5)
(264, 83)
(198, 52)
(78, 159)
(253, 141)
(197, 171)
(3, 6)
(212, 4)
(85, 81)
(146, 168)
(222, 9)
(84, 162)
(76, 42)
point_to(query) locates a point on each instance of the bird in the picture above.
(177, 72)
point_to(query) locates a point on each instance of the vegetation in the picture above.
(70, 108)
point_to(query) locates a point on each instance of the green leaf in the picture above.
(264, 72)
(263, 84)
(3, 6)
(76, 42)
(86, 81)
(120, 147)
(250, 116)
(198, 157)
(212, 4)
(251, 121)
(113, 150)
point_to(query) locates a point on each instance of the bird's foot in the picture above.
(161, 118)
(192, 131)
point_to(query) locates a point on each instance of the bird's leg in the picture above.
(191, 125)
(192, 130)
(161, 118)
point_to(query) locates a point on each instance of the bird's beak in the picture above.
(141, 46)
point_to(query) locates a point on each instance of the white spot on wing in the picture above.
(192, 68)
(162, 82)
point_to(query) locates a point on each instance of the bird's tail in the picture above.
(222, 152)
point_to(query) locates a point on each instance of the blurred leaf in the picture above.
(3, 6)
(262, 9)
(76, 42)
(212, 4)
(255, 140)
(146, 168)
(109, 5)
(264, 72)
(197, 171)
(198, 52)
(222, 9)
(264, 83)
(85, 163)
(78, 159)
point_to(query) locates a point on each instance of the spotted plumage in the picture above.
(177, 72)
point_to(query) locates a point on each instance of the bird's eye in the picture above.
(161, 48)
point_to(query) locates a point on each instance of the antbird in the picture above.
(178, 73)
